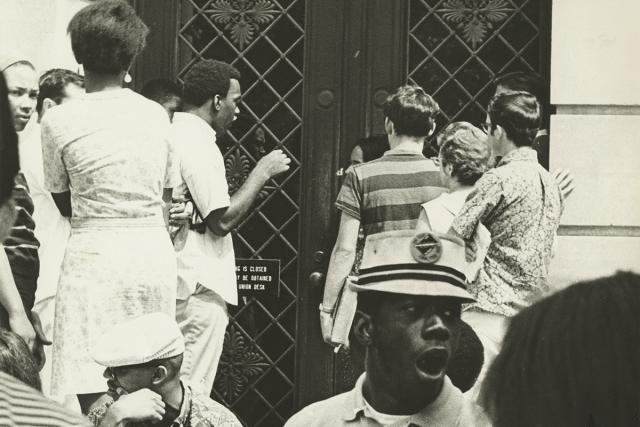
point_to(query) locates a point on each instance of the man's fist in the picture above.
(141, 405)
(272, 164)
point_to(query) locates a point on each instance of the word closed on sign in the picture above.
(258, 277)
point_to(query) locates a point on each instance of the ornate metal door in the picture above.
(332, 62)
(457, 47)
(264, 39)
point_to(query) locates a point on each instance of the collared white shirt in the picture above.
(207, 258)
(450, 409)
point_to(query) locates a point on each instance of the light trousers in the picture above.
(203, 320)
(490, 328)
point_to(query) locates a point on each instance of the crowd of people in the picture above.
(118, 262)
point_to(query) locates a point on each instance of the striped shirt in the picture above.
(22, 246)
(387, 193)
(20, 405)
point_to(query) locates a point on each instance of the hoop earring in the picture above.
(127, 78)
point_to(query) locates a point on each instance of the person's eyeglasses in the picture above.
(435, 160)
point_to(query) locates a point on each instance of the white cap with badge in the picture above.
(139, 340)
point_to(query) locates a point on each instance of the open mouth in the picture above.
(433, 362)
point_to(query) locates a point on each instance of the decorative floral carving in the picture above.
(242, 17)
(475, 17)
(237, 167)
(238, 363)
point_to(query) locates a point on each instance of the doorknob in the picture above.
(316, 279)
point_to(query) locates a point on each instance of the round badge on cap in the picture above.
(426, 248)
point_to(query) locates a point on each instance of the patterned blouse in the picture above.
(520, 203)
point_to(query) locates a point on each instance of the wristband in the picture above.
(324, 309)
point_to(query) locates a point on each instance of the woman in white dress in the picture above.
(108, 165)
(464, 157)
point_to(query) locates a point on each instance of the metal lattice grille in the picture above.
(457, 47)
(264, 40)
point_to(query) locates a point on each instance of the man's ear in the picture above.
(388, 126)
(46, 104)
(363, 328)
(160, 375)
(216, 103)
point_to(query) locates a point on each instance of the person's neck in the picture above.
(454, 186)
(406, 143)
(507, 147)
(375, 391)
(172, 393)
(95, 82)
(199, 112)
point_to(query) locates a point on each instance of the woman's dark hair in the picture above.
(207, 79)
(16, 359)
(373, 147)
(106, 36)
(468, 153)
(571, 359)
(519, 115)
(9, 164)
(412, 111)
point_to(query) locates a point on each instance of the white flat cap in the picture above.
(139, 340)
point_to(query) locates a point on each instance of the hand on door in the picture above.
(272, 164)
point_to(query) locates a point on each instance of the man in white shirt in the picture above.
(56, 86)
(409, 291)
(206, 263)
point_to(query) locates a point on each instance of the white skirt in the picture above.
(114, 269)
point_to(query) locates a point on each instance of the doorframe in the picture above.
(354, 58)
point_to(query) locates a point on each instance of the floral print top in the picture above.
(520, 203)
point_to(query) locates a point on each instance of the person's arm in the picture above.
(63, 203)
(340, 265)
(481, 203)
(166, 205)
(10, 300)
(141, 405)
(55, 173)
(222, 221)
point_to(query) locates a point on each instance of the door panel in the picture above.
(264, 40)
(315, 74)
(457, 47)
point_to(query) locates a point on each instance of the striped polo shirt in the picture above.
(386, 194)
(20, 405)
(21, 245)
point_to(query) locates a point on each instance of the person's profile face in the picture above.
(22, 85)
(413, 340)
(130, 379)
(229, 108)
(357, 156)
(72, 91)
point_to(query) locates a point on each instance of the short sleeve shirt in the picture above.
(206, 259)
(451, 408)
(111, 149)
(386, 194)
(520, 204)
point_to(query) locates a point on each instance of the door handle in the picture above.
(316, 279)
